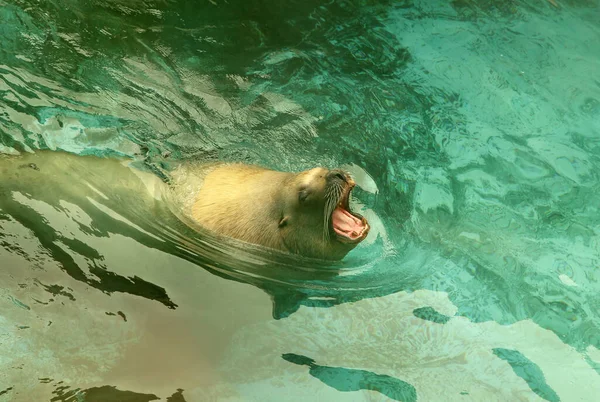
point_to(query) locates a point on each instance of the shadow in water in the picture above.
(105, 393)
(6, 391)
(347, 380)
(529, 371)
(429, 314)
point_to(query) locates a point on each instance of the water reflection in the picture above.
(477, 120)
(105, 393)
(67, 218)
(458, 358)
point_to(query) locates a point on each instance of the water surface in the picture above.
(474, 125)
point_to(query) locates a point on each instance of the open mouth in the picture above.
(348, 226)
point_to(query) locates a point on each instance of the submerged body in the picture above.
(304, 213)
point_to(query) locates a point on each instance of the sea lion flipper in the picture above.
(286, 304)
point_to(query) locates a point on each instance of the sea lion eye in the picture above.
(302, 194)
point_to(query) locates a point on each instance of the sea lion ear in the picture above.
(283, 222)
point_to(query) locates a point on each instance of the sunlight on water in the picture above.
(472, 128)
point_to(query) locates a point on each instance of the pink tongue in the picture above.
(345, 224)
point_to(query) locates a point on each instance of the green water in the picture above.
(474, 125)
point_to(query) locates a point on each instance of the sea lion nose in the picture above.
(337, 174)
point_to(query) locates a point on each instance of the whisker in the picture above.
(333, 195)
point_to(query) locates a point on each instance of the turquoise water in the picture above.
(474, 125)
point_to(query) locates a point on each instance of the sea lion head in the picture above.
(316, 219)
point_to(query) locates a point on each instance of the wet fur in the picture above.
(242, 202)
(261, 206)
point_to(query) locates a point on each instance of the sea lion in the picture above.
(306, 213)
